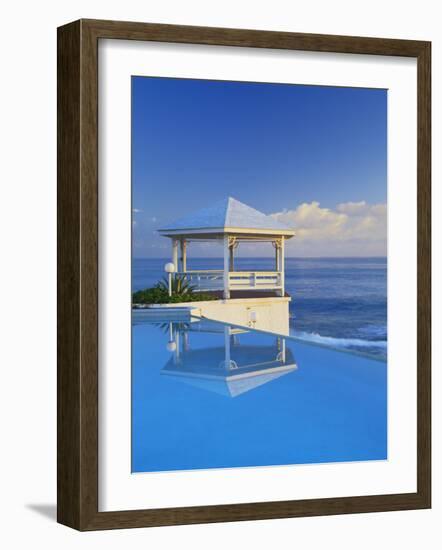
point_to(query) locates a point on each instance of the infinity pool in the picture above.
(210, 395)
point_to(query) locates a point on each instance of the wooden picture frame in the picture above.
(78, 274)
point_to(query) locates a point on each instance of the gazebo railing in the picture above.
(209, 279)
(257, 280)
(238, 280)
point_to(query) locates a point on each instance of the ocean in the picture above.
(340, 303)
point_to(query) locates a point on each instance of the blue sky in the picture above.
(316, 157)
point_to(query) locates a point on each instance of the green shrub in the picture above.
(153, 295)
(180, 285)
(160, 295)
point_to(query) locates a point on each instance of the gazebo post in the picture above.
(231, 259)
(276, 245)
(281, 265)
(226, 292)
(183, 244)
(175, 253)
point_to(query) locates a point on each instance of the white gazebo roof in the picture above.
(227, 216)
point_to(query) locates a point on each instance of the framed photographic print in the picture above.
(243, 274)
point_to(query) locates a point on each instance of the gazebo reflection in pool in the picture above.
(233, 365)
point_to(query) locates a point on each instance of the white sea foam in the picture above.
(340, 342)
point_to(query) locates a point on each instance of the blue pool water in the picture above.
(206, 395)
(337, 302)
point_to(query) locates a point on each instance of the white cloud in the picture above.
(352, 207)
(136, 210)
(352, 228)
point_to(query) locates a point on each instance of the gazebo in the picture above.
(230, 222)
(229, 367)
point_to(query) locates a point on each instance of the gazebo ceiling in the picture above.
(227, 217)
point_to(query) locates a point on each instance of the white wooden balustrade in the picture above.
(238, 280)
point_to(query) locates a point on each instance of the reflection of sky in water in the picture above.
(205, 395)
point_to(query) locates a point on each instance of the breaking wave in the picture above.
(339, 342)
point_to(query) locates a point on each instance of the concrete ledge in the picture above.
(163, 313)
(270, 313)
